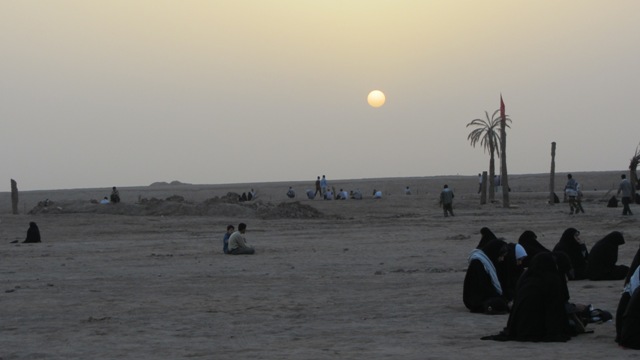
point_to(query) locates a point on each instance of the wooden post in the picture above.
(483, 191)
(14, 196)
(552, 174)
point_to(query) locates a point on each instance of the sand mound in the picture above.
(175, 205)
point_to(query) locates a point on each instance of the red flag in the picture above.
(502, 115)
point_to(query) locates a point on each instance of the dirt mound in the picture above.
(175, 205)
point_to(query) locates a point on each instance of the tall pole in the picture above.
(504, 178)
(14, 196)
(552, 174)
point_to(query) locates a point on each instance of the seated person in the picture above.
(510, 270)
(33, 233)
(601, 264)
(486, 236)
(631, 336)
(310, 194)
(291, 193)
(407, 191)
(377, 194)
(105, 200)
(342, 195)
(328, 195)
(238, 244)
(356, 194)
(529, 240)
(538, 312)
(482, 291)
(571, 244)
(225, 239)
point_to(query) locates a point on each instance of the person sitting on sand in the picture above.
(628, 312)
(225, 239)
(356, 195)
(328, 194)
(33, 233)
(538, 312)
(104, 200)
(482, 291)
(291, 193)
(510, 270)
(377, 194)
(571, 244)
(529, 241)
(342, 195)
(486, 236)
(238, 243)
(310, 194)
(115, 195)
(601, 264)
(407, 191)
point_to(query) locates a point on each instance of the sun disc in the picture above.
(376, 98)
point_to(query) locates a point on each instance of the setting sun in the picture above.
(376, 98)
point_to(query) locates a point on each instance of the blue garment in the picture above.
(478, 254)
(225, 242)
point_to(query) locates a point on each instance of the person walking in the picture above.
(627, 191)
(446, 200)
(571, 191)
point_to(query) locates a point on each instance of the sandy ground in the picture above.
(368, 279)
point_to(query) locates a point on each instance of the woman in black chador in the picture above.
(482, 291)
(529, 241)
(603, 256)
(487, 235)
(33, 234)
(571, 244)
(539, 312)
(628, 313)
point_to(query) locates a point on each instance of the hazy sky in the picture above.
(103, 93)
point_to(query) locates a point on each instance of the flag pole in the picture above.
(504, 178)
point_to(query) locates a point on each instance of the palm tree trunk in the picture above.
(552, 174)
(492, 176)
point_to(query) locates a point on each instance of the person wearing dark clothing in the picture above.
(318, 188)
(115, 195)
(225, 239)
(571, 244)
(628, 325)
(629, 335)
(482, 291)
(529, 240)
(33, 234)
(603, 257)
(510, 270)
(487, 235)
(538, 312)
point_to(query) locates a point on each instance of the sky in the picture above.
(132, 92)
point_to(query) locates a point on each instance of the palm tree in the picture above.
(487, 132)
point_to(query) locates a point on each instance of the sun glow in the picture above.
(376, 98)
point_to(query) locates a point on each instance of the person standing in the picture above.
(627, 191)
(115, 195)
(479, 183)
(571, 190)
(446, 200)
(318, 188)
(323, 185)
(238, 243)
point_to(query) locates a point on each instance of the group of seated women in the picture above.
(529, 282)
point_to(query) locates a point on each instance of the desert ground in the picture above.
(368, 279)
